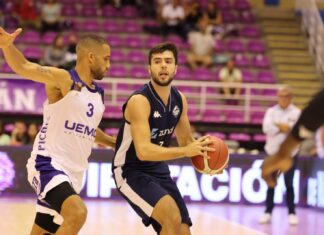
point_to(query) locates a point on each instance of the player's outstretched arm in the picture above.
(104, 139)
(137, 114)
(32, 71)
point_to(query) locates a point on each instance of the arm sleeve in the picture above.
(312, 117)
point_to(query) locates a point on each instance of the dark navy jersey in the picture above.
(162, 120)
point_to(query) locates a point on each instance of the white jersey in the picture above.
(275, 115)
(68, 131)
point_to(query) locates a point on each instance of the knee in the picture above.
(76, 213)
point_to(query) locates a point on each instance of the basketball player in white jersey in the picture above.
(70, 127)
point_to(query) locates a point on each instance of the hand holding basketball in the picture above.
(200, 147)
(217, 160)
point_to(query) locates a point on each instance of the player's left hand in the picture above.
(7, 38)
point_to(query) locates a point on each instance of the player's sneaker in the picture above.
(292, 219)
(265, 218)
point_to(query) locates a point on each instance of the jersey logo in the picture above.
(154, 133)
(156, 114)
(176, 111)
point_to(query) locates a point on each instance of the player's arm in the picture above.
(137, 113)
(104, 139)
(183, 130)
(19, 64)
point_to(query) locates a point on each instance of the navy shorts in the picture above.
(143, 191)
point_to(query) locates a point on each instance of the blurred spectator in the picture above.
(70, 55)
(4, 138)
(202, 45)
(230, 74)
(173, 16)
(193, 14)
(19, 135)
(50, 16)
(55, 54)
(32, 132)
(27, 14)
(2, 18)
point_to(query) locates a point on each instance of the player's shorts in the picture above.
(143, 191)
(52, 187)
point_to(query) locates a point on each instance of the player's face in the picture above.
(101, 63)
(162, 68)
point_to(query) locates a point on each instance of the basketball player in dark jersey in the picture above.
(311, 118)
(151, 115)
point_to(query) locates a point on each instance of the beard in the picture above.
(97, 74)
(162, 83)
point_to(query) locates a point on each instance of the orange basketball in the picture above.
(217, 161)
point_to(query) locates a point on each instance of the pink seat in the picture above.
(235, 45)
(91, 25)
(261, 61)
(33, 53)
(234, 116)
(139, 71)
(152, 41)
(136, 56)
(111, 26)
(110, 11)
(220, 135)
(113, 112)
(212, 116)
(118, 71)
(134, 41)
(239, 137)
(129, 12)
(183, 73)
(69, 10)
(241, 60)
(115, 40)
(259, 138)
(131, 27)
(117, 56)
(89, 11)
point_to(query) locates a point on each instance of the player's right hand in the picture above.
(6, 38)
(199, 147)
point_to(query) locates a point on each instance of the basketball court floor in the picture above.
(115, 217)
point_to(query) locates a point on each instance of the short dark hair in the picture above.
(89, 40)
(162, 47)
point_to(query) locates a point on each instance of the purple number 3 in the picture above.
(90, 112)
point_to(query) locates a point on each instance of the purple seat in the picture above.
(220, 46)
(5, 68)
(48, 37)
(259, 138)
(193, 114)
(69, 10)
(89, 11)
(247, 17)
(11, 22)
(33, 53)
(118, 71)
(203, 74)
(133, 41)
(88, 2)
(250, 31)
(235, 45)
(256, 117)
(183, 73)
(256, 47)
(152, 41)
(241, 5)
(111, 26)
(224, 5)
(239, 137)
(91, 26)
(247, 76)
(261, 61)
(268, 92)
(117, 56)
(212, 116)
(136, 56)
(110, 11)
(266, 77)
(220, 135)
(139, 71)
(115, 40)
(182, 58)
(234, 116)
(112, 131)
(113, 112)
(241, 60)
(186, 89)
(129, 12)
(132, 27)
(9, 127)
(229, 17)
(32, 37)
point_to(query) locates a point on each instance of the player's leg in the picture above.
(290, 195)
(64, 199)
(44, 225)
(167, 214)
(170, 186)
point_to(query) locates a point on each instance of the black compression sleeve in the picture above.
(312, 117)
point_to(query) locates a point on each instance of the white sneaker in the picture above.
(265, 218)
(292, 219)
